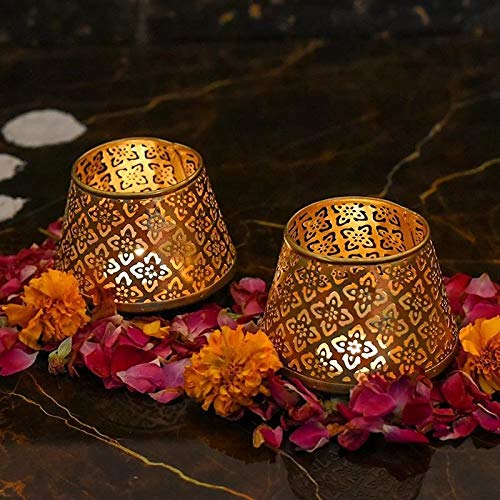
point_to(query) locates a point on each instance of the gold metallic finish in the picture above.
(358, 288)
(142, 218)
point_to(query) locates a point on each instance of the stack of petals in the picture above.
(473, 298)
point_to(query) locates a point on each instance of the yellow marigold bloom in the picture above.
(481, 342)
(229, 371)
(52, 310)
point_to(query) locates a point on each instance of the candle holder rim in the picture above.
(289, 241)
(124, 195)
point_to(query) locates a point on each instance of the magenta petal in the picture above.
(462, 427)
(138, 337)
(485, 310)
(249, 295)
(353, 439)
(173, 373)
(453, 390)
(265, 434)
(94, 359)
(455, 287)
(191, 325)
(15, 360)
(226, 319)
(284, 395)
(167, 395)
(310, 436)
(12, 286)
(372, 404)
(146, 377)
(397, 435)
(416, 412)
(488, 416)
(482, 286)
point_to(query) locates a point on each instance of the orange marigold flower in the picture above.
(52, 310)
(229, 371)
(481, 343)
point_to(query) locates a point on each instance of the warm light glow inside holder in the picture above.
(142, 219)
(358, 288)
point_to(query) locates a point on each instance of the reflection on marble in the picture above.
(280, 125)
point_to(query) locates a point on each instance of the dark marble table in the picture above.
(280, 125)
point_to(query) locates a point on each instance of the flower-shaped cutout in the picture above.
(106, 216)
(178, 248)
(327, 362)
(349, 212)
(357, 237)
(409, 356)
(416, 302)
(312, 281)
(156, 222)
(303, 332)
(134, 176)
(365, 294)
(127, 244)
(150, 270)
(432, 331)
(331, 313)
(354, 347)
(399, 276)
(386, 325)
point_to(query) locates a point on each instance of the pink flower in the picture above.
(14, 355)
(249, 295)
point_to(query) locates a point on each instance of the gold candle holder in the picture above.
(358, 288)
(142, 218)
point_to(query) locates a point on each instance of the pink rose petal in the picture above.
(191, 325)
(488, 416)
(94, 359)
(310, 436)
(482, 286)
(461, 428)
(15, 360)
(167, 395)
(372, 404)
(146, 377)
(264, 434)
(249, 295)
(395, 434)
(353, 439)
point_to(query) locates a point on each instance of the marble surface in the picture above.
(280, 124)
(63, 22)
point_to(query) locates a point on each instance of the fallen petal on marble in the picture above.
(310, 437)
(10, 166)
(10, 206)
(15, 360)
(265, 434)
(43, 127)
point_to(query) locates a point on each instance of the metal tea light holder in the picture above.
(142, 219)
(358, 288)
